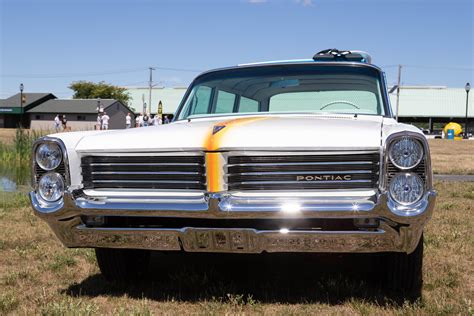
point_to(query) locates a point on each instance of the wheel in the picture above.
(122, 265)
(404, 272)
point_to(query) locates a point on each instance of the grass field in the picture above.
(39, 275)
(452, 157)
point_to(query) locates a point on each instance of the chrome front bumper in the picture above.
(400, 229)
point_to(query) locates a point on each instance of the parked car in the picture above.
(288, 156)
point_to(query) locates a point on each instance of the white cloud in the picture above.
(256, 1)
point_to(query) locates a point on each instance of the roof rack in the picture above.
(334, 54)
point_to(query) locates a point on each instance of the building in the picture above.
(12, 111)
(81, 114)
(169, 97)
(421, 104)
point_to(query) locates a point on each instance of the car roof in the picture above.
(292, 62)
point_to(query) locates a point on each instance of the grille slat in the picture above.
(296, 172)
(144, 172)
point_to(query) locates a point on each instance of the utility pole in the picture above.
(150, 85)
(398, 89)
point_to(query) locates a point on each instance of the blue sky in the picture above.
(47, 44)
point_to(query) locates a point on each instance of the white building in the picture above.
(169, 97)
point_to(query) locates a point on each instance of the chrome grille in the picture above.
(420, 170)
(284, 172)
(39, 172)
(143, 172)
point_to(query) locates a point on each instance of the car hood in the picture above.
(259, 132)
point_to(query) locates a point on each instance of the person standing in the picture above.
(98, 126)
(140, 120)
(157, 120)
(167, 120)
(145, 119)
(57, 123)
(105, 121)
(64, 122)
(128, 121)
(150, 120)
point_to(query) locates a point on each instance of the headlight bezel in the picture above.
(415, 141)
(62, 169)
(61, 194)
(422, 169)
(40, 164)
(406, 175)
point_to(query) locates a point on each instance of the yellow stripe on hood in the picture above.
(215, 161)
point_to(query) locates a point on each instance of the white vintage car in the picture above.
(288, 156)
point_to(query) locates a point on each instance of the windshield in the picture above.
(286, 88)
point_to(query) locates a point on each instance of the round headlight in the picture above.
(406, 153)
(48, 156)
(51, 187)
(406, 188)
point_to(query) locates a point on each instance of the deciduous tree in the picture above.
(91, 90)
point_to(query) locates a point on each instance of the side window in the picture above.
(247, 105)
(225, 102)
(200, 100)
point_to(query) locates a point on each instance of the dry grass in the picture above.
(452, 156)
(7, 135)
(39, 275)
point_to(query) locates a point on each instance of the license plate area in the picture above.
(220, 240)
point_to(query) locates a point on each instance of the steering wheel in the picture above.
(339, 101)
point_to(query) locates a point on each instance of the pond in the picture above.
(15, 177)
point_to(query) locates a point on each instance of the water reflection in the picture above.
(15, 177)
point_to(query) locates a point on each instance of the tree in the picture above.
(90, 90)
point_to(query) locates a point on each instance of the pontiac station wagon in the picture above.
(285, 156)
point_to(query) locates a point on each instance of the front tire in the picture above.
(122, 265)
(404, 272)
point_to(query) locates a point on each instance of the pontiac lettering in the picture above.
(325, 177)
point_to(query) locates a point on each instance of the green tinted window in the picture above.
(326, 101)
(225, 102)
(248, 105)
(200, 100)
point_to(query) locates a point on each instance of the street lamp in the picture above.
(21, 103)
(467, 87)
(99, 111)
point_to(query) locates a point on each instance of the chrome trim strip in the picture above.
(303, 163)
(306, 152)
(302, 172)
(229, 206)
(146, 172)
(306, 182)
(144, 181)
(144, 164)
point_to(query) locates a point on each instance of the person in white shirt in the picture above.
(57, 123)
(98, 126)
(140, 120)
(150, 120)
(128, 121)
(157, 120)
(105, 121)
